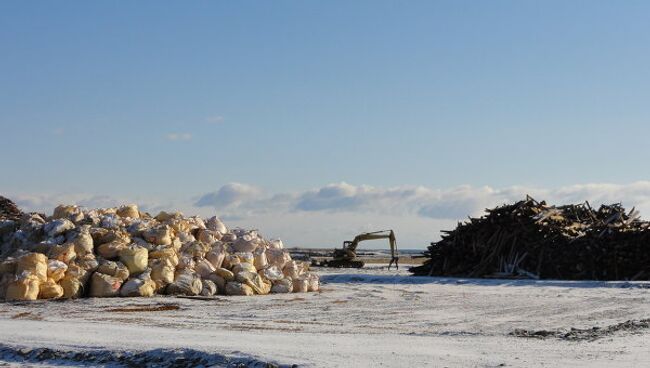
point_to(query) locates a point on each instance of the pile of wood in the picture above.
(531, 239)
(9, 210)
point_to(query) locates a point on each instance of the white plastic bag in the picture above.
(204, 268)
(300, 285)
(114, 269)
(56, 270)
(142, 285)
(272, 273)
(215, 224)
(282, 286)
(237, 288)
(185, 283)
(209, 288)
(261, 262)
(102, 285)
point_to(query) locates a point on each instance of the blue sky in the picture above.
(304, 112)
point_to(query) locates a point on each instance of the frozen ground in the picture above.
(362, 318)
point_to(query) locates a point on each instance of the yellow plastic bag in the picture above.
(50, 290)
(83, 243)
(72, 287)
(129, 210)
(33, 263)
(78, 272)
(162, 272)
(23, 288)
(230, 261)
(226, 274)
(258, 284)
(112, 249)
(167, 252)
(244, 267)
(67, 211)
(135, 258)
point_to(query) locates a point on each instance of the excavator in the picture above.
(346, 257)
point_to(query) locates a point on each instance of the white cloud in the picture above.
(327, 215)
(178, 136)
(452, 203)
(46, 202)
(229, 195)
(340, 196)
(215, 119)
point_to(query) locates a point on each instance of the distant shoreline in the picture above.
(366, 251)
(369, 256)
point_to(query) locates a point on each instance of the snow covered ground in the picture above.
(362, 318)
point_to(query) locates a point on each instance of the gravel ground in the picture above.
(361, 318)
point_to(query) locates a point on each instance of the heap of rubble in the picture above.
(123, 251)
(531, 239)
(9, 210)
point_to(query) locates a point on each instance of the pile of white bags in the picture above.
(122, 251)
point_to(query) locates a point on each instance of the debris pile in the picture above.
(122, 251)
(531, 239)
(9, 210)
(585, 334)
